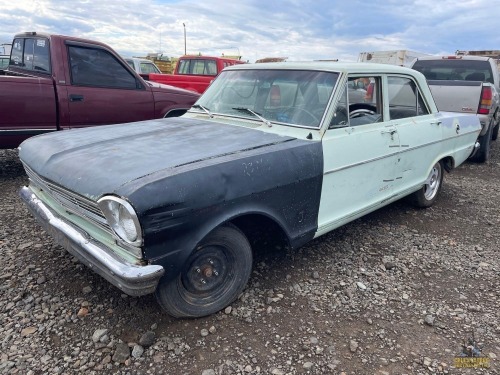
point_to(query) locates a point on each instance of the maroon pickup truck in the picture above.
(57, 82)
(195, 73)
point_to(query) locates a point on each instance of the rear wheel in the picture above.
(213, 275)
(427, 195)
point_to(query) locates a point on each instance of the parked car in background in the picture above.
(4, 61)
(466, 84)
(5, 49)
(270, 153)
(57, 82)
(142, 66)
(195, 73)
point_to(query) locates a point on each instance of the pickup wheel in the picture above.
(213, 276)
(427, 195)
(483, 154)
(494, 135)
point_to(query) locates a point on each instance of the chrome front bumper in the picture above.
(132, 279)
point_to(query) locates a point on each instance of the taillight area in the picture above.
(486, 101)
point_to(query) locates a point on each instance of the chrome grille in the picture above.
(73, 203)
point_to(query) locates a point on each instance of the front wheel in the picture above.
(427, 195)
(213, 276)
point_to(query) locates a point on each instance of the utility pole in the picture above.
(183, 24)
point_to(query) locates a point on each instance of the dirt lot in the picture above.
(396, 292)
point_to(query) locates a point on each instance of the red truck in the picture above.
(195, 73)
(56, 82)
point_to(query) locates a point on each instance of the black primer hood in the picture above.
(98, 160)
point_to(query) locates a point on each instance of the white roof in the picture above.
(340, 67)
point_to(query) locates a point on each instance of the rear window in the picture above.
(31, 54)
(455, 69)
(197, 67)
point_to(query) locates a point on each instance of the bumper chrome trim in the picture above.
(132, 279)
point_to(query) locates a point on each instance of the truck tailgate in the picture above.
(456, 96)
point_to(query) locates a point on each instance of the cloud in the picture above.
(300, 30)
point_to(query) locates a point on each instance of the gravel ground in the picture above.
(396, 292)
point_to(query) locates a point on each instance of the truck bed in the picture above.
(28, 107)
(195, 83)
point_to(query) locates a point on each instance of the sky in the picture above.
(255, 29)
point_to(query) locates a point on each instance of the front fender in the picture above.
(280, 181)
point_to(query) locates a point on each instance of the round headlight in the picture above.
(121, 218)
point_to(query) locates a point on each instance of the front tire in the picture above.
(213, 276)
(427, 195)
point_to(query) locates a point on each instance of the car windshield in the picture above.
(288, 97)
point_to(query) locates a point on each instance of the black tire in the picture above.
(427, 195)
(494, 135)
(213, 276)
(483, 154)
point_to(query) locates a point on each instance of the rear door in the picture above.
(103, 90)
(420, 132)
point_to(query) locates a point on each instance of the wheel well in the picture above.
(263, 233)
(175, 112)
(448, 163)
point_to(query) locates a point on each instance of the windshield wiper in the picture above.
(205, 109)
(264, 120)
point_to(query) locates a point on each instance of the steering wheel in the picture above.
(361, 109)
(300, 113)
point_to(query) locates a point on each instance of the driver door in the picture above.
(360, 154)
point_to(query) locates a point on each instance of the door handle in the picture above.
(436, 123)
(391, 132)
(76, 98)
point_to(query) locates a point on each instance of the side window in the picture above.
(16, 57)
(41, 55)
(404, 99)
(4, 62)
(98, 67)
(211, 68)
(31, 54)
(365, 100)
(183, 66)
